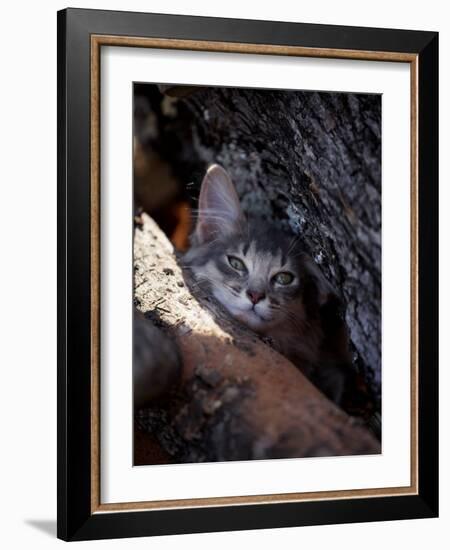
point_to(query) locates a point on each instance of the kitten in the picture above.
(264, 279)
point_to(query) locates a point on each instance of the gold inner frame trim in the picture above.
(263, 49)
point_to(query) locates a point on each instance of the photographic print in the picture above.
(247, 274)
(257, 274)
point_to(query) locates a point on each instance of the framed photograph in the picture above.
(247, 254)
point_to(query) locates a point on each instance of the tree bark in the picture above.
(236, 398)
(309, 160)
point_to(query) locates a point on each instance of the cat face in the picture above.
(255, 280)
(258, 273)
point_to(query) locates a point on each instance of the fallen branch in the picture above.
(237, 399)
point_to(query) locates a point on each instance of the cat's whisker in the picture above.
(297, 324)
(192, 282)
(232, 291)
(292, 244)
(213, 241)
(213, 217)
(297, 254)
(208, 213)
(199, 280)
(293, 317)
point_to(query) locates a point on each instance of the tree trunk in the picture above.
(309, 160)
(236, 398)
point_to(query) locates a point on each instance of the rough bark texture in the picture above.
(310, 160)
(155, 359)
(237, 399)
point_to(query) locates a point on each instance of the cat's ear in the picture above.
(219, 211)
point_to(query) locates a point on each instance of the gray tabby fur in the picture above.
(301, 317)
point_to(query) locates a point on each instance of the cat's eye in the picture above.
(283, 278)
(236, 263)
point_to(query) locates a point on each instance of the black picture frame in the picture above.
(76, 521)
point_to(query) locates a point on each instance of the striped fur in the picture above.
(238, 259)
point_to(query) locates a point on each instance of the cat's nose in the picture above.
(255, 297)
